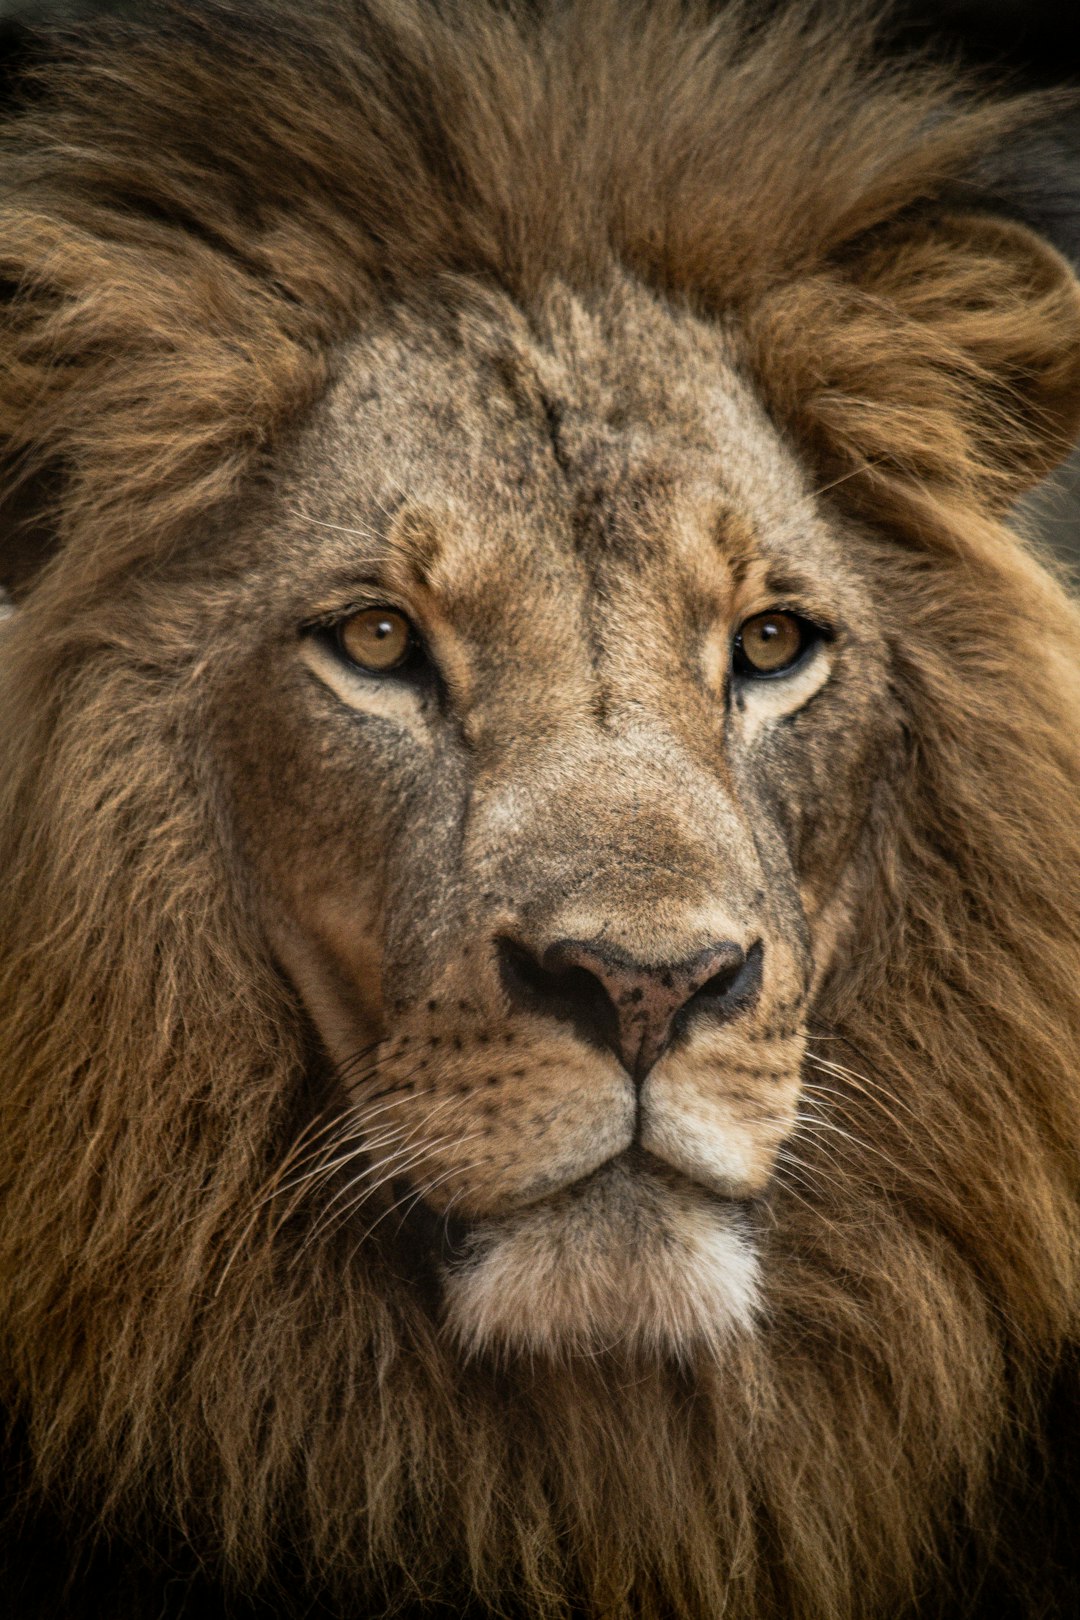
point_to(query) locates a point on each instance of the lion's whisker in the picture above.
(410, 1200)
(863, 467)
(321, 1171)
(387, 1170)
(399, 1169)
(852, 1081)
(862, 1084)
(794, 1175)
(357, 1128)
(303, 1184)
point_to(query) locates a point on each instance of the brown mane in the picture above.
(193, 217)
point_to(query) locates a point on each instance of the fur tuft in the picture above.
(525, 1286)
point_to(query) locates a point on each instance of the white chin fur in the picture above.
(628, 1259)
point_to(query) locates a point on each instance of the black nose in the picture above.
(632, 1007)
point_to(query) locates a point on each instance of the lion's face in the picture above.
(556, 884)
(538, 828)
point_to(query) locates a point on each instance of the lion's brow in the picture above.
(413, 535)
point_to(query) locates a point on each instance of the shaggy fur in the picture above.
(193, 221)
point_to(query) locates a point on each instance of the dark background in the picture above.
(1023, 42)
(1031, 33)
(1037, 39)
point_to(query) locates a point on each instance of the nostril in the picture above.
(729, 991)
(559, 988)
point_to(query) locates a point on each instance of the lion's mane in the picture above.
(193, 216)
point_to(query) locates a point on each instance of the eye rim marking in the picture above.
(328, 630)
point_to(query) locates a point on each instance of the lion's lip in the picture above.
(447, 1235)
(641, 1161)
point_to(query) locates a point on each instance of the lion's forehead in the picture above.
(613, 453)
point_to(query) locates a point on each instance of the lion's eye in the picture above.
(772, 643)
(377, 639)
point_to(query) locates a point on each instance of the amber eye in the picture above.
(770, 643)
(377, 639)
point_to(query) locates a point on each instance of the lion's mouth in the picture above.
(450, 1238)
(634, 1256)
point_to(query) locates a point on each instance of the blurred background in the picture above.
(1021, 42)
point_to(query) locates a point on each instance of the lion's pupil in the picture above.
(377, 639)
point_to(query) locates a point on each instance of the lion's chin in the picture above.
(631, 1258)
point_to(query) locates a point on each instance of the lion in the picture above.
(540, 968)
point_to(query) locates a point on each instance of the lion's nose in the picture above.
(635, 1008)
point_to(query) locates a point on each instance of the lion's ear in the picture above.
(940, 358)
(996, 313)
(1003, 306)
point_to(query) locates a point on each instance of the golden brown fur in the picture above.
(197, 222)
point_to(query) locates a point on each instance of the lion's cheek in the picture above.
(331, 953)
(723, 1132)
(487, 1153)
